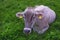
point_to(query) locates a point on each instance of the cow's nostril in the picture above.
(26, 31)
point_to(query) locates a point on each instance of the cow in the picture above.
(37, 18)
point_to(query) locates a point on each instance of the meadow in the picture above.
(11, 27)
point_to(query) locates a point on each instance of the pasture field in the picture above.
(11, 27)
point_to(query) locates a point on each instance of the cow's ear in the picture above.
(40, 16)
(19, 14)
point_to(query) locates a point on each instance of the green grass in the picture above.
(11, 28)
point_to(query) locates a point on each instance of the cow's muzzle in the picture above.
(27, 30)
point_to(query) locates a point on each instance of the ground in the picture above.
(11, 27)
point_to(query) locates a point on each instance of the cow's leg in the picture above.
(43, 30)
(40, 31)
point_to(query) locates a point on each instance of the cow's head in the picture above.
(29, 16)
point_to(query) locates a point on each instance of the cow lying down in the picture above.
(37, 18)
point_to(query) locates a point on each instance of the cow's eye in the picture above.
(34, 16)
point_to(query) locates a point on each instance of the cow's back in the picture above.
(50, 13)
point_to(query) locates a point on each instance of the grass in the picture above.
(11, 28)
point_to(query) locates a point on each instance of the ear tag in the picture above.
(21, 17)
(40, 17)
